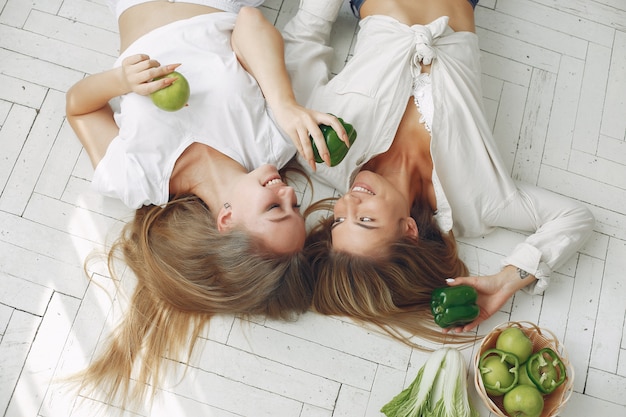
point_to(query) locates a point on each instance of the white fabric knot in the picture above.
(424, 36)
(424, 52)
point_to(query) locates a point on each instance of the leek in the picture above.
(439, 390)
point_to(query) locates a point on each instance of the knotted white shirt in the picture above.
(372, 91)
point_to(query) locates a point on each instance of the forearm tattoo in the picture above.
(522, 274)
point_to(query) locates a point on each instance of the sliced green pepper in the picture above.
(546, 370)
(499, 371)
(336, 147)
(454, 306)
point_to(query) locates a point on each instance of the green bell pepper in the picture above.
(499, 371)
(546, 370)
(336, 147)
(454, 306)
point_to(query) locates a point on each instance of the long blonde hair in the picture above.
(187, 272)
(393, 292)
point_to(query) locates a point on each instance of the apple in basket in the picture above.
(515, 341)
(523, 401)
(173, 97)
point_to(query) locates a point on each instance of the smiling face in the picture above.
(370, 216)
(266, 207)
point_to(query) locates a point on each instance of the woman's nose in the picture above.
(352, 198)
(287, 194)
(285, 191)
(347, 204)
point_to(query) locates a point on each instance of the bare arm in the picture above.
(89, 113)
(260, 50)
(87, 102)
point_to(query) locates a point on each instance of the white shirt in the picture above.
(119, 6)
(371, 93)
(226, 111)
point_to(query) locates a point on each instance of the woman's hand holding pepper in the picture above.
(493, 292)
(299, 122)
(259, 47)
(138, 73)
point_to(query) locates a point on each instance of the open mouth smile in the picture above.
(273, 181)
(361, 189)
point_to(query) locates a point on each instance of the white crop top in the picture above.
(226, 111)
(119, 6)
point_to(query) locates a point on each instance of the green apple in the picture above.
(523, 401)
(496, 373)
(514, 340)
(524, 379)
(174, 96)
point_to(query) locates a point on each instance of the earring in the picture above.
(227, 206)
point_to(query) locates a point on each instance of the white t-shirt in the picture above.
(226, 111)
(119, 6)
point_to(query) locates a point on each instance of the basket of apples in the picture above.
(522, 370)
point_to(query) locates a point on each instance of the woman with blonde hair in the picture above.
(423, 170)
(217, 230)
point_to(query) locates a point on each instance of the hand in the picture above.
(139, 72)
(493, 292)
(299, 122)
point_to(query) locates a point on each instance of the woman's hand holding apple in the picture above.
(139, 73)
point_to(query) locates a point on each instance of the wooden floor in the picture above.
(555, 94)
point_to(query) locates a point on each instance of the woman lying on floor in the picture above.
(423, 169)
(216, 230)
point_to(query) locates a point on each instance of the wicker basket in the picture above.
(553, 402)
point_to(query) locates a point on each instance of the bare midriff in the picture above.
(422, 12)
(138, 20)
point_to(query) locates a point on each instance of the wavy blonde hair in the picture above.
(186, 272)
(393, 292)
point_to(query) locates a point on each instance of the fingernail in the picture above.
(449, 279)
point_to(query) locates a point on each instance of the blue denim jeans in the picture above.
(356, 5)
